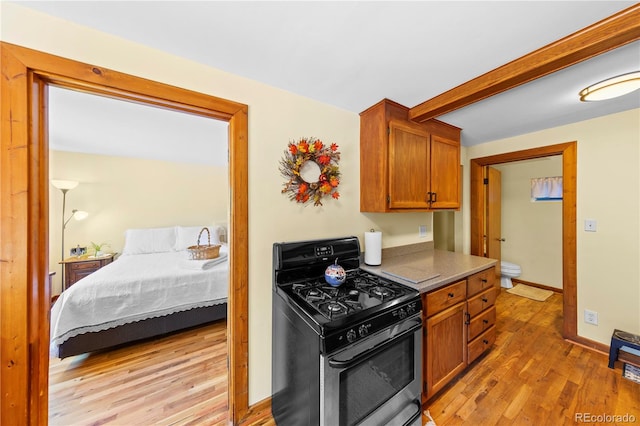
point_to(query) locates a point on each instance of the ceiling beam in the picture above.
(603, 36)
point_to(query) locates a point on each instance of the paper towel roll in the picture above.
(373, 248)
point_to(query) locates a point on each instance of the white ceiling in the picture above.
(352, 54)
(79, 122)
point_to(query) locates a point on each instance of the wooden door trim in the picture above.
(492, 215)
(608, 34)
(24, 301)
(569, 221)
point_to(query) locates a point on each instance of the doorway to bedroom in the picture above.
(26, 193)
(119, 171)
(131, 166)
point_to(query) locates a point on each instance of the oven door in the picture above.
(375, 381)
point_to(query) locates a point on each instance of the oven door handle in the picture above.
(373, 351)
(416, 415)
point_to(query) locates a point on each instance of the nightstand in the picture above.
(76, 268)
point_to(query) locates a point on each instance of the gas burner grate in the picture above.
(361, 290)
(382, 292)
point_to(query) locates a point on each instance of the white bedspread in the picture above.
(133, 288)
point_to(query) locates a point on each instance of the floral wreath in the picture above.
(307, 156)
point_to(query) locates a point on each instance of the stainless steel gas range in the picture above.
(342, 355)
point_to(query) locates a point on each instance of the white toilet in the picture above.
(507, 271)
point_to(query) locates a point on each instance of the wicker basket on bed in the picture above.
(202, 252)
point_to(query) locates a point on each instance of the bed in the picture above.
(150, 290)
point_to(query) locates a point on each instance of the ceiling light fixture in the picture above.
(611, 87)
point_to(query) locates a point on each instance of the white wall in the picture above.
(608, 190)
(532, 230)
(121, 193)
(275, 118)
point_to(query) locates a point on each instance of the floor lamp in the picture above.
(65, 186)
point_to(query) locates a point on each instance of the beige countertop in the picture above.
(424, 268)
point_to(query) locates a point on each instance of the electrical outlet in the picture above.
(422, 231)
(590, 317)
(590, 225)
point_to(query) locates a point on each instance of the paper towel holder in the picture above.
(373, 248)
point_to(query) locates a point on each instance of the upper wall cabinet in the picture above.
(407, 166)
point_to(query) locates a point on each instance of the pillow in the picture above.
(150, 240)
(188, 236)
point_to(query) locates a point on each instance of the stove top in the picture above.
(360, 292)
(364, 299)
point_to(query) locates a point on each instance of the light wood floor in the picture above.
(531, 376)
(176, 380)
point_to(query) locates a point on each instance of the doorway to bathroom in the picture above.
(481, 217)
(524, 226)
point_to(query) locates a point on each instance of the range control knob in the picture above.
(411, 308)
(402, 313)
(351, 335)
(363, 330)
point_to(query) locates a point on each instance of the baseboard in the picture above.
(589, 344)
(542, 286)
(259, 413)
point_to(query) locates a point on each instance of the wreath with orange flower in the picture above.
(311, 170)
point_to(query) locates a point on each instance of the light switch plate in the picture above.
(590, 317)
(590, 225)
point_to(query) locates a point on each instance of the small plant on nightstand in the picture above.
(97, 248)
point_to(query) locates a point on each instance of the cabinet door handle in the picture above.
(435, 197)
(429, 201)
(501, 239)
(467, 315)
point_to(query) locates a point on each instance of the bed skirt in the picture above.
(152, 327)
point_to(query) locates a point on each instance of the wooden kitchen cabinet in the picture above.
(408, 159)
(445, 171)
(407, 166)
(482, 290)
(459, 326)
(447, 347)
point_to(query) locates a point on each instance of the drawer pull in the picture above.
(485, 300)
(485, 341)
(451, 295)
(485, 321)
(484, 280)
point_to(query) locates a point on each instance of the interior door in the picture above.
(493, 232)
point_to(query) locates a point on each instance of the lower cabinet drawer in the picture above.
(481, 281)
(445, 297)
(481, 302)
(481, 344)
(481, 323)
